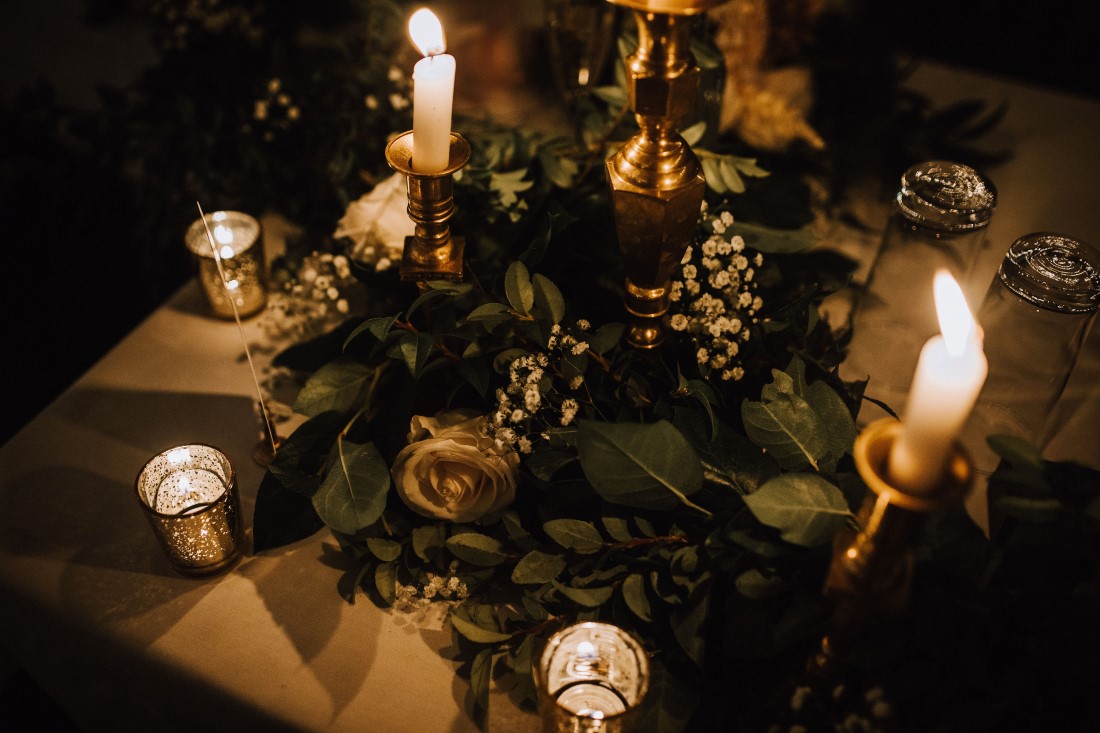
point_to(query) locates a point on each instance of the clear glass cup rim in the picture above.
(230, 482)
(198, 243)
(1053, 271)
(946, 196)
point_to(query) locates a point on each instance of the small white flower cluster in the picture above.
(543, 390)
(316, 296)
(713, 298)
(275, 111)
(438, 587)
(398, 99)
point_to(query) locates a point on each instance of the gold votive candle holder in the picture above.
(240, 251)
(591, 677)
(432, 253)
(189, 495)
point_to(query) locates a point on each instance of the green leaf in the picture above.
(353, 494)
(757, 586)
(730, 460)
(774, 241)
(427, 541)
(338, 386)
(618, 528)
(425, 297)
(385, 550)
(477, 634)
(536, 568)
(521, 663)
(414, 349)
(1017, 451)
(385, 582)
(491, 312)
(836, 421)
(518, 288)
(301, 457)
(573, 534)
(606, 337)
(480, 672)
(748, 167)
(730, 177)
(588, 597)
(784, 424)
(635, 596)
(548, 298)
(692, 135)
(804, 507)
(378, 327)
(645, 466)
(477, 549)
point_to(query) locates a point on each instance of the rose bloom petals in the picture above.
(451, 470)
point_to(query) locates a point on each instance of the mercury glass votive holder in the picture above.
(189, 495)
(592, 677)
(240, 249)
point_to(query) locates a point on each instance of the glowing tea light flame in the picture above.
(586, 649)
(179, 455)
(223, 234)
(427, 32)
(956, 322)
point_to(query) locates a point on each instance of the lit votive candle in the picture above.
(238, 247)
(592, 677)
(433, 94)
(189, 495)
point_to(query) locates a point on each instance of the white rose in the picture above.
(378, 219)
(452, 470)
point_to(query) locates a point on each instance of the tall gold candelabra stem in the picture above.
(657, 183)
(872, 568)
(431, 253)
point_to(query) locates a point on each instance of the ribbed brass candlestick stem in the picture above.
(656, 181)
(872, 568)
(431, 253)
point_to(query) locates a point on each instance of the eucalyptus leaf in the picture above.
(645, 466)
(477, 549)
(385, 582)
(573, 534)
(635, 596)
(804, 507)
(589, 597)
(337, 386)
(518, 288)
(476, 633)
(385, 550)
(353, 494)
(536, 568)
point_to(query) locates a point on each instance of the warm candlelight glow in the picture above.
(179, 455)
(223, 234)
(956, 322)
(427, 32)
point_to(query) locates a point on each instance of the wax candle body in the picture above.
(433, 92)
(943, 393)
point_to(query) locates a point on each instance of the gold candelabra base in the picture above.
(871, 571)
(431, 253)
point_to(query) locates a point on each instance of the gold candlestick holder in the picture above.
(872, 568)
(431, 253)
(656, 181)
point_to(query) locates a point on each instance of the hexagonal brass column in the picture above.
(656, 181)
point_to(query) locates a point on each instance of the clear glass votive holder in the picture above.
(189, 495)
(941, 216)
(240, 249)
(1035, 318)
(591, 677)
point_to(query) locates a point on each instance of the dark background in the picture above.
(71, 290)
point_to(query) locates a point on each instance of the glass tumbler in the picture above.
(941, 215)
(591, 677)
(1035, 316)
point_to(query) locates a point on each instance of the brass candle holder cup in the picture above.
(656, 181)
(431, 253)
(872, 568)
(240, 248)
(591, 677)
(189, 495)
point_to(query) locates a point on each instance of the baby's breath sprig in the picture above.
(714, 299)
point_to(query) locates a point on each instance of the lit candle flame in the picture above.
(427, 32)
(956, 322)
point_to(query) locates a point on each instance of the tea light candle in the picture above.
(950, 373)
(189, 495)
(592, 675)
(238, 246)
(433, 94)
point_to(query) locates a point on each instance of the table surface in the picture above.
(90, 607)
